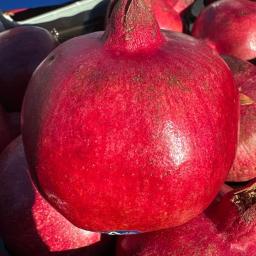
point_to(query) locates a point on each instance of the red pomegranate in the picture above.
(229, 26)
(245, 79)
(118, 127)
(242, 70)
(244, 166)
(21, 51)
(28, 224)
(228, 229)
(166, 17)
(181, 5)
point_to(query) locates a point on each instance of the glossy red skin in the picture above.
(245, 78)
(229, 26)
(244, 166)
(110, 121)
(223, 232)
(21, 51)
(181, 5)
(171, 2)
(242, 70)
(28, 224)
(166, 17)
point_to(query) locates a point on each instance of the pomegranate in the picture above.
(245, 78)
(244, 166)
(228, 229)
(21, 50)
(242, 70)
(118, 127)
(229, 26)
(182, 5)
(28, 224)
(166, 17)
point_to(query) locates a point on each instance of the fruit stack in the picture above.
(141, 131)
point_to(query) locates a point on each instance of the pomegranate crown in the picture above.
(131, 27)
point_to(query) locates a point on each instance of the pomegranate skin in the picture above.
(28, 224)
(235, 217)
(244, 167)
(181, 5)
(242, 70)
(229, 26)
(227, 228)
(197, 237)
(21, 50)
(166, 17)
(120, 122)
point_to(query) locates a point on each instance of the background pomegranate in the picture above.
(123, 133)
(229, 26)
(166, 17)
(227, 228)
(244, 167)
(245, 79)
(28, 224)
(181, 5)
(242, 70)
(21, 51)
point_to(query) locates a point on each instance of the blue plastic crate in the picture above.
(17, 4)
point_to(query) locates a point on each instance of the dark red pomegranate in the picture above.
(122, 132)
(245, 78)
(244, 167)
(228, 229)
(242, 70)
(28, 224)
(21, 51)
(229, 26)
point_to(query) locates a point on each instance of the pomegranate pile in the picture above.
(133, 141)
